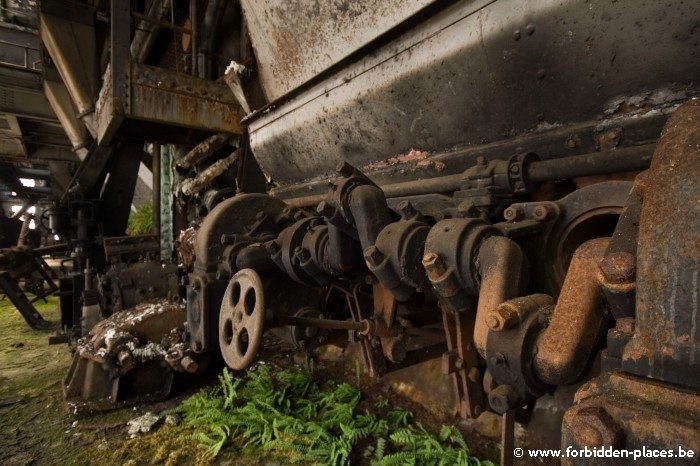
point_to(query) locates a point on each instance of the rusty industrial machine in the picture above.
(502, 194)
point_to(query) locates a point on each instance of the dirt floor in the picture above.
(35, 427)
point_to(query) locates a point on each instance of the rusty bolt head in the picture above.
(325, 209)
(513, 213)
(502, 318)
(593, 427)
(516, 34)
(189, 364)
(302, 254)
(373, 256)
(434, 265)
(619, 268)
(345, 169)
(503, 398)
(625, 325)
(272, 247)
(405, 209)
(498, 359)
(541, 212)
(530, 29)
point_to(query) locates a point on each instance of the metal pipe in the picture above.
(362, 326)
(565, 347)
(629, 159)
(155, 169)
(613, 161)
(161, 23)
(503, 268)
(193, 36)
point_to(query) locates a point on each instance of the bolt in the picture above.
(541, 73)
(272, 247)
(373, 256)
(530, 29)
(625, 325)
(189, 364)
(573, 141)
(593, 428)
(619, 268)
(345, 169)
(405, 209)
(498, 359)
(516, 34)
(513, 213)
(541, 212)
(473, 374)
(434, 265)
(302, 254)
(503, 398)
(326, 210)
(515, 169)
(503, 317)
(468, 209)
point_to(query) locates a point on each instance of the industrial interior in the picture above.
(491, 207)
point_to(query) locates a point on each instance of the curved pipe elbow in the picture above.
(370, 213)
(567, 345)
(504, 272)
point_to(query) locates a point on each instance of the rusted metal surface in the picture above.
(203, 150)
(625, 411)
(197, 184)
(566, 346)
(416, 92)
(503, 269)
(158, 98)
(242, 319)
(130, 357)
(295, 40)
(666, 341)
(22, 272)
(461, 362)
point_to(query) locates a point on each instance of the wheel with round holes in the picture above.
(242, 319)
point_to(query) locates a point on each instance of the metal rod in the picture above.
(613, 161)
(155, 170)
(629, 159)
(193, 36)
(281, 319)
(161, 23)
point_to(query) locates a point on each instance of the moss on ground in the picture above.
(36, 428)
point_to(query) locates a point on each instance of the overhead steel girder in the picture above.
(67, 30)
(143, 101)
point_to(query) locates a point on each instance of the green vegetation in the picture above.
(289, 417)
(141, 221)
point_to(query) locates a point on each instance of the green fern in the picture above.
(288, 416)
